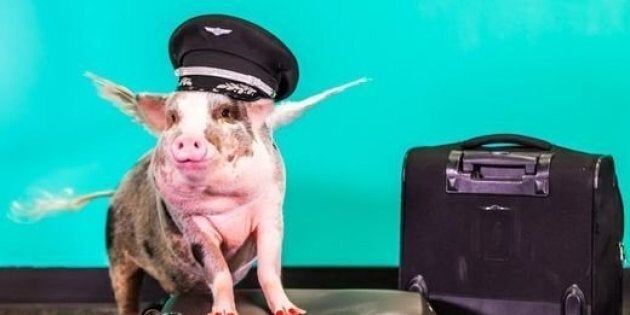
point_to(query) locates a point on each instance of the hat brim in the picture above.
(233, 89)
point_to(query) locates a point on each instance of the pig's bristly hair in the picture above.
(120, 95)
(288, 111)
(123, 98)
(47, 204)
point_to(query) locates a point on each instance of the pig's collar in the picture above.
(231, 83)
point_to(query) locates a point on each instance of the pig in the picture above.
(200, 208)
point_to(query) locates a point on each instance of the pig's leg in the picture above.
(126, 278)
(205, 245)
(269, 248)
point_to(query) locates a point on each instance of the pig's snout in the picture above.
(187, 148)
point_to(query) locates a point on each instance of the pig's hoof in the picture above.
(223, 312)
(290, 310)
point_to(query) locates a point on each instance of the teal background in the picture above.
(442, 71)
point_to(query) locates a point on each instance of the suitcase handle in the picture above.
(498, 172)
(506, 138)
(471, 159)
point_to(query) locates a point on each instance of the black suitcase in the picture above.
(522, 228)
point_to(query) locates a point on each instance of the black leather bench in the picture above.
(315, 301)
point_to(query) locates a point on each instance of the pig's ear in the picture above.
(152, 109)
(143, 108)
(258, 111)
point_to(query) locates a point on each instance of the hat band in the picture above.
(227, 74)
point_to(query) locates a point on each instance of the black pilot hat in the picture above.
(231, 56)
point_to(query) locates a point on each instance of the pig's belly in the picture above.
(240, 254)
(181, 276)
(236, 235)
(240, 273)
(238, 248)
(239, 264)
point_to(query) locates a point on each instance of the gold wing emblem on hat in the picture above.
(237, 88)
(217, 31)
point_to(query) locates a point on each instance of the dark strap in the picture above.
(506, 138)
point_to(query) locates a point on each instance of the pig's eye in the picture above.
(225, 113)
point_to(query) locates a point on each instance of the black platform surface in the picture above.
(27, 291)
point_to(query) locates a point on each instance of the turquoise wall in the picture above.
(442, 71)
